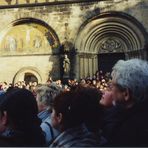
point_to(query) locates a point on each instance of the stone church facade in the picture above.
(35, 35)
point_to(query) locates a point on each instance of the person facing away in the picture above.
(130, 99)
(19, 123)
(76, 115)
(45, 95)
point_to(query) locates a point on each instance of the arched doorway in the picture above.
(108, 33)
(28, 74)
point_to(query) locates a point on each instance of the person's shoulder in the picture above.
(46, 124)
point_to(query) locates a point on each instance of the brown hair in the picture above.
(79, 106)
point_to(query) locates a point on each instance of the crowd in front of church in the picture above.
(99, 80)
(103, 110)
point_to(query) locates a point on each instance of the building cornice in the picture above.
(58, 2)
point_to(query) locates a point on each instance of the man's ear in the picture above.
(127, 94)
(59, 117)
(4, 118)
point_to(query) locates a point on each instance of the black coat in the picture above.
(129, 127)
(111, 119)
(19, 139)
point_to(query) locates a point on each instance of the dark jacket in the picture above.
(112, 117)
(131, 127)
(14, 138)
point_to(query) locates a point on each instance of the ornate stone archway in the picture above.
(111, 32)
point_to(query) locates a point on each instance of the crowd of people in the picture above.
(99, 80)
(97, 111)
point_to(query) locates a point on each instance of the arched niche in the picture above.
(27, 36)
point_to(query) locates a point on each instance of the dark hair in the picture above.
(21, 108)
(79, 106)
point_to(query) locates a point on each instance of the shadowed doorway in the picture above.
(29, 77)
(107, 60)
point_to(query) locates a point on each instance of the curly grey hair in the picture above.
(132, 74)
(47, 93)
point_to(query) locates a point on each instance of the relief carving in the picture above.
(111, 45)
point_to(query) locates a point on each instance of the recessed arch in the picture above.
(107, 33)
(111, 25)
(28, 36)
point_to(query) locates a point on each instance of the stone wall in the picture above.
(41, 66)
(66, 19)
(74, 15)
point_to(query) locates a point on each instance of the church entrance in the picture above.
(107, 60)
(114, 36)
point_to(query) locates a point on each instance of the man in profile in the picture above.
(130, 93)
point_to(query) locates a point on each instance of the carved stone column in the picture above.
(86, 64)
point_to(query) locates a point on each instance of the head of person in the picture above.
(130, 82)
(45, 95)
(72, 108)
(65, 55)
(19, 106)
(19, 110)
